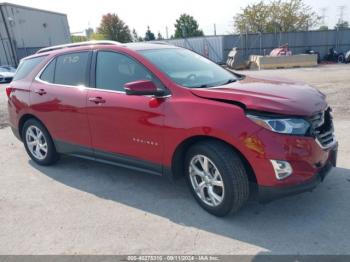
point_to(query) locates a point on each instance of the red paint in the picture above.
(283, 97)
(151, 129)
(142, 85)
(9, 91)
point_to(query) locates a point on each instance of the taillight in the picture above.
(9, 91)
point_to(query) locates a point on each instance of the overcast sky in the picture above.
(161, 13)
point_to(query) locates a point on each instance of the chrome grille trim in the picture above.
(323, 129)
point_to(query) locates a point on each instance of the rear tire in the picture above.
(38, 143)
(226, 166)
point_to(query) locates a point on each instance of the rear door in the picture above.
(58, 98)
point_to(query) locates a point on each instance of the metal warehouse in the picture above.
(24, 30)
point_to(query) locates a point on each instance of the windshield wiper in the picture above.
(231, 80)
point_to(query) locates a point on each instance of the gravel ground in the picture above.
(3, 107)
(82, 207)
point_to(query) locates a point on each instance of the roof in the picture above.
(77, 44)
(132, 46)
(148, 46)
(31, 8)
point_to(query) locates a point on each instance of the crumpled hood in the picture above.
(275, 95)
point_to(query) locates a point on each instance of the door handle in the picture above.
(40, 92)
(97, 100)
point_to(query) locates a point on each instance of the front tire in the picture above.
(38, 143)
(217, 177)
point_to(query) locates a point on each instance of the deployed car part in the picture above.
(281, 51)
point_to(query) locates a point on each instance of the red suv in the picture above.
(168, 111)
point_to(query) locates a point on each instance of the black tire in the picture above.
(232, 171)
(51, 156)
(341, 58)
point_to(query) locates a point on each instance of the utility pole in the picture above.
(214, 29)
(341, 13)
(323, 16)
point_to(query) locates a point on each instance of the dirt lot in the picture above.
(81, 207)
(3, 107)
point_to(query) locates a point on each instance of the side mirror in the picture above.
(142, 88)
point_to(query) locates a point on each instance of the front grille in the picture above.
(322, 128)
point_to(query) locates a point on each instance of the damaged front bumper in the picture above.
(270, 193)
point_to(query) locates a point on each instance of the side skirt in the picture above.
(108, 158)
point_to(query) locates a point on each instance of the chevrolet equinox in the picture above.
(165, 110)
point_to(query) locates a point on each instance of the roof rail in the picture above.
(86, 43)
(157, 42)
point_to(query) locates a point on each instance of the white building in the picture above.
(24, 30)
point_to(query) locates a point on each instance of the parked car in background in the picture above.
(168, 111)
(347, 57)
(334, 56)
(9, 68)
(6, 73)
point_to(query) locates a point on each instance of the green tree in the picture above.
(277, 15)
(135, 36)
(113, 28)
(78, 38)
(323, 27)
(96, 36)
(187, 26)
(89, 32)
(149, 36)
(159, 36)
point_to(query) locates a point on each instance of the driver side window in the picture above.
(113, 70)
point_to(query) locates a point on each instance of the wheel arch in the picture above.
(178, 158)
(23, 119)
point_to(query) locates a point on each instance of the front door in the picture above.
(127, 129)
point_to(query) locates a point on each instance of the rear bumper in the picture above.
(16, 133)
(268, 194)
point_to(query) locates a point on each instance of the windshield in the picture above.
(189, 69)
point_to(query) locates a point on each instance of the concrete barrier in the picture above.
(273, 62)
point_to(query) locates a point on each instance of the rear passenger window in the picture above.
(26, 66)
(71, 69)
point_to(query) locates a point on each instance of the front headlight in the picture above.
(284, 125)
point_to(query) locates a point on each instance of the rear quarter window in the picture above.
(49, 72)
(26, 66)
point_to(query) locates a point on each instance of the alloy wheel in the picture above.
(206, 180)
(36, 142)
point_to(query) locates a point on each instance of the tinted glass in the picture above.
(71, 69)
(26, 66)
(113, 70)
(188, 68)
(48, 73)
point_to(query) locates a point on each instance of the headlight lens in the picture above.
(293, 126)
